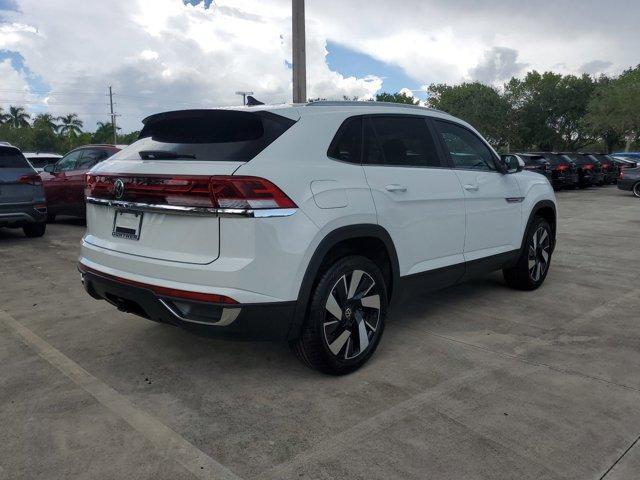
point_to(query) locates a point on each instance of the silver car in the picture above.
(22, 203)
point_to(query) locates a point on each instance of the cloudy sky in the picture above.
(60, 56)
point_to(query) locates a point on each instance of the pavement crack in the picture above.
(620, 458)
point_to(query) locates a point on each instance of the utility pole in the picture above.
(244, 96)
(113, 117)
(299, 53)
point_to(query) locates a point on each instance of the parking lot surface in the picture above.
(477, 381)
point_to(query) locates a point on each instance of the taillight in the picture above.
(588, 166)
(621, 173)
(31, 179)
(227, 192)
(562, 168)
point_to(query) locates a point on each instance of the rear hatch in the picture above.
(18, 180)
(167, 180)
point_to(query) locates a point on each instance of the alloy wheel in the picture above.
(352, 315)
(539, 253)
(636, 189)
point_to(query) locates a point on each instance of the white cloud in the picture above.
(162, 54)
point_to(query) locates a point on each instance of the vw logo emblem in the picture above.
(119, 189)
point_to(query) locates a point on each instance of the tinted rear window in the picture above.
(40, 162)
(12, 158)
(215, 135)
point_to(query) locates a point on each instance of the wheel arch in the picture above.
(375, 241)
(547, 210)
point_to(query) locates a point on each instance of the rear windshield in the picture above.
(213, 135)
(12, 158)
(40, 162)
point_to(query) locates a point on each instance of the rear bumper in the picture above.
(21, 214)
(627, 184)
(564, 180)
(266, 321)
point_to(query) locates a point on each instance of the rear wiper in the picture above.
(163, 155)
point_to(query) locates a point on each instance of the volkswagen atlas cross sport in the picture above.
(303, 222)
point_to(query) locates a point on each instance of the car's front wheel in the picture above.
(533, 264)
(636, 189)
(346, 317)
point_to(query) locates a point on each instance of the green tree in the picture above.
(104, 133)
(44, 133)
(4, 117)
(480, 105)
(45, 122)
(396, 98)
(18, 117)
(548, 110)
(613, 114)
(70, 125)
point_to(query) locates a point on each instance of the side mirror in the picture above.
(513, 163)
(51, 168)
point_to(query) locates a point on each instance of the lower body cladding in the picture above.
(18, 215)
(269, 321)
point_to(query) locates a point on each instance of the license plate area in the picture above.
(127, 224)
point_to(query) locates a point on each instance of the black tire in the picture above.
(533, 264)
(334, 345)
(636, 189)
(34, 230)
(51, 217)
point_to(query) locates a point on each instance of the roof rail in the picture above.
(351, 103)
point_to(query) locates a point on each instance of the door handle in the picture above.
(471, 188)
(395, 188)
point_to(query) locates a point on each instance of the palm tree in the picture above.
(104, 133)
(70, 126)
(45, 121)
(4, 118)
(18, 117)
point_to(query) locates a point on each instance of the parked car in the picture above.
(39, 160)
(633, 155)
(630, 180)
(589, 169)
(303, 222)
(22, 203)
(564, 173)
(625, 162)
(610, 169)
(536, 163)
(65, 181)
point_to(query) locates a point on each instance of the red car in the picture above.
(64, 181)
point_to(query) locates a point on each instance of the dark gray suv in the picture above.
(22, 203)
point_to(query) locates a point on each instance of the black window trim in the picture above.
(445, 162)
(498, 162)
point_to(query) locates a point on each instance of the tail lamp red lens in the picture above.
(588, 166)
(32, 179)
(192, 191)
(562, 168)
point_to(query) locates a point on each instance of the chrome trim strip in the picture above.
(193, 211)
(514, 199)
(229, 315)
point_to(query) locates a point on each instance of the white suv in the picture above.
(303, 222)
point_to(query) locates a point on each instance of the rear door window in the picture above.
(400, 141)
(12, 158)
(210, 135)
(466, 149)
(347, 144)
